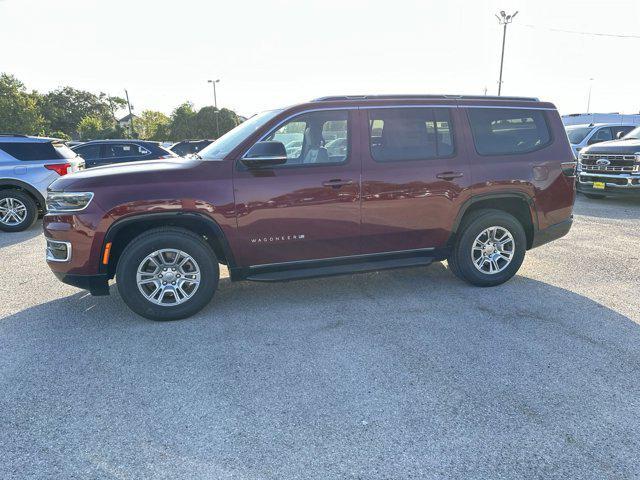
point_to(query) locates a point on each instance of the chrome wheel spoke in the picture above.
(168, 277)
(493, 250)
(12, 211)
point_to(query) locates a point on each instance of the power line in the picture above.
(576, 32)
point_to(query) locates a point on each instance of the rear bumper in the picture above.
(552, 233)
(96, 284)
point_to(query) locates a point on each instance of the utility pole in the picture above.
(132, 131)
(215, 104)
(504, 20)
(589, 97)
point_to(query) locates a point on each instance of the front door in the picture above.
(415, 177)
(309, 207)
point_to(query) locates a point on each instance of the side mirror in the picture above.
(265, 154)
(619, 135)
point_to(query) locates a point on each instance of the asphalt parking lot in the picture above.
(393, 375)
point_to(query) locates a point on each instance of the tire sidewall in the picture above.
(29, 203)
(138, 249)
(464, 260)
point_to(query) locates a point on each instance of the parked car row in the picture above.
(29, 164)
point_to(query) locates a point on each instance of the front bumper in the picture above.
(615, 185)
(96, 284)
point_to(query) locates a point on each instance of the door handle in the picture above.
(449, 175)
(336, 183)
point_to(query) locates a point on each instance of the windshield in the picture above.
(230, 140)
(577, 134)
(633, 134)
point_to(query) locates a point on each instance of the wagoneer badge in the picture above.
(277, 238)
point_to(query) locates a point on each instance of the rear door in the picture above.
(415, 176)
(309, 207)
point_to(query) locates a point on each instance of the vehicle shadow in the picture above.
(610, 207)
(409, 364)
(11, 238)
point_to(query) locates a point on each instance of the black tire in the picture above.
(167, 238)
(594, 196)
(461, 262)
(31, 210)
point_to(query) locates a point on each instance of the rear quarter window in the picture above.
(508, 131)
(26, 151)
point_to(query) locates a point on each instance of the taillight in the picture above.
(569, 168)
(59, 168)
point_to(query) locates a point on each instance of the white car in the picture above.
(581, 136)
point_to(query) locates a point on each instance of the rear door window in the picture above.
(508, 131)
(620, 131)
(124, 151)
(398, 134)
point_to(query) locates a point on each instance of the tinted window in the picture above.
(316, 137)
(31, 151)
(398, 134)
(89, 152)
(621, 131)
(124, 150)
(601, 135)
(501, 131)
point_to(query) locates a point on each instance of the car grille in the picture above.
(617, 163)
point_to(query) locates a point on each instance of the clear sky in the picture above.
(274, 53)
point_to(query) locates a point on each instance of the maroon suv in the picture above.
(337, 185)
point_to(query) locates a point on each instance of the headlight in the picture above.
(68, 201)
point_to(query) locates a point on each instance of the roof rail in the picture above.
(422, 96)
(13, 135)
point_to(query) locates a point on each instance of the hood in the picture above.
(622, 147)
(133, 173)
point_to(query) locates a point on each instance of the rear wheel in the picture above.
(18, 210)
(167, 274)
(489, 248)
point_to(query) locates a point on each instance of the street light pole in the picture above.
(589, 97)
(130, 114)
(215, 104)
(504, 20)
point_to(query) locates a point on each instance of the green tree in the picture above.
(153, 125)
(90, 128)
(66, 107)
(183, 122)
(19, 111)
(205, 122)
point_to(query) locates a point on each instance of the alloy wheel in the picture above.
(168, 277)
(12, 211)
(493, 250)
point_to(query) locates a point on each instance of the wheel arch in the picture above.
(518, 204)
(11, 183)
(126, 229)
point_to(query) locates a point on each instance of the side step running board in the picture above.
(326, 270)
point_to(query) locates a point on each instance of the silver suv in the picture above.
(28, 165)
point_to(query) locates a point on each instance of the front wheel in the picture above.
(489, 248)
(167, 274)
